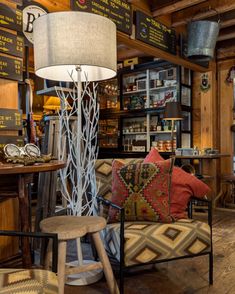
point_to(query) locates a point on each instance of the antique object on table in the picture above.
(27, 155)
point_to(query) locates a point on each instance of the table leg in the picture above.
(24, 218)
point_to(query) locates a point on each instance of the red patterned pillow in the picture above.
(142, 189)
(184, 185)
(153, 156)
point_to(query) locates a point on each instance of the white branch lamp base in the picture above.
(85, 278)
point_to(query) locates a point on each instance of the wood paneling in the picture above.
(225, 114)
(204, 113)
(8, 209)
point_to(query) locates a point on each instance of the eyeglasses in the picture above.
(31, 150)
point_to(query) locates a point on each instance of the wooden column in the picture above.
(205, 126)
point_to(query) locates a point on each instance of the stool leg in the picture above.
(106, 264)
(61, 265)
(48, 255)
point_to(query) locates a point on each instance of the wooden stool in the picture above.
(73, 227)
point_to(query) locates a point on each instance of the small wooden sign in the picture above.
(154, 33)
(11, 44)
(10, 119)
(120, 12)
(10, 18)
(11, 68)
(19, 141)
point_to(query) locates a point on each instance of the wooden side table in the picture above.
(24, 177)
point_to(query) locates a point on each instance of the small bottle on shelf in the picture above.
(159, 125)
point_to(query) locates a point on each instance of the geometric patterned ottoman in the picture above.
(19, 281)
(151, 241)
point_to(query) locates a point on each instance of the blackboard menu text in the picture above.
(11, 44)
(10, 119)
(118, 11)
(154, 33)
(10, 18)
(11, 68)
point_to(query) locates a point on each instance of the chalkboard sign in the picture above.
(154, 33)
(119, 12)
(10, 18)
(10, 119)
(11, 68)
(11, 44)
(19, 141)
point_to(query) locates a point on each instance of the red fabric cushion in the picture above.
(184, 185)
(153, 156)
(142, 189)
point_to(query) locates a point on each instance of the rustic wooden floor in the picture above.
(186, 276)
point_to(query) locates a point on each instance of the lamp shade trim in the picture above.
(63, 40)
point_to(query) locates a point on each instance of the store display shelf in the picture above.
(134, 92)
(52, 91)
(135, 133)
(161, 132)
(162, 88)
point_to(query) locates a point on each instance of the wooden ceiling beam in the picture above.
(226, 36)
(175, 7)
(140, 4)
(127, 53)
(55, 5)
(227, 23)
(184, 16)
(153, 51)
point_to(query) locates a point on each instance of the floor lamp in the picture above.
(81, 48)
(173, 113)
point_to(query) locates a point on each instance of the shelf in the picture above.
(52, 91)
(133, 92)
(102, 136)
(135, 133)
(161, 132)
(162, 88)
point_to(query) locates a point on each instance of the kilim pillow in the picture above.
(142, 189)
(184, 185)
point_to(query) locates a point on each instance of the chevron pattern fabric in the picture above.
(151, 241)
(19, 281)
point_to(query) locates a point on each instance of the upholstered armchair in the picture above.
(160, 233)
(21, 280)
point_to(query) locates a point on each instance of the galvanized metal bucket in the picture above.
(202, 37)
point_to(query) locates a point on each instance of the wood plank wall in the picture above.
(205, 124)
(225, 109)
(9, 211)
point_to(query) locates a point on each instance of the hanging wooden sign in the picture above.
(31, 11)
(10, 119)
(10, 18)
(11, 44)
(154, 33)
(11, 68)
(19, 141)
(120, 12)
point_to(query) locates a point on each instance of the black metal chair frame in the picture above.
(51, 236)
(123, 268)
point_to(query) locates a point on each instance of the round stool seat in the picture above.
(67, 227)
(72, 227)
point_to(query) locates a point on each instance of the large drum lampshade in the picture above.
(64, 40)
